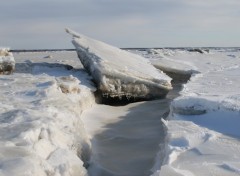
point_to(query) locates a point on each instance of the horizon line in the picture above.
(72, 49)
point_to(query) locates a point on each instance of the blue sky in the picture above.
(35, 24)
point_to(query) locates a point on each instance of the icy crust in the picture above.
(118, 72)
(212, 90)
(214, 82)
(7, 62)
(203, 128)
(41, 130)
(195, 150)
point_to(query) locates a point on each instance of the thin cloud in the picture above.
(135, 23)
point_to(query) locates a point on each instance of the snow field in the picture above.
(203, 126)
(41, 130)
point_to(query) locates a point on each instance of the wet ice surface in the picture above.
(125, 139)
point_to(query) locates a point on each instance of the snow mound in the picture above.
(120, 73)
(7, 62)
(41, 131)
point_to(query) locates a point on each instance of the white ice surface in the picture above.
(203, 126)
(41, 132)
(118, 72)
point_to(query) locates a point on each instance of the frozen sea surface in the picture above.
(43, 133)
(125, 139)
(203, 126)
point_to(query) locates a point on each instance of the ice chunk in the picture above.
(69, 84)
(7, 62)
(120, 73)
(178, 70)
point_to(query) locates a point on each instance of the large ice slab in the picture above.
(119, 73)
(178, 70)
(7, 62)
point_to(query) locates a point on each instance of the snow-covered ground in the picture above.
(204, 123)
(41, 105)
(41, 132)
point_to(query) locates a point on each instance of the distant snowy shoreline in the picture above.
(133, 48)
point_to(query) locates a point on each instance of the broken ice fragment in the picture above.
(7, 62)
(107, 65)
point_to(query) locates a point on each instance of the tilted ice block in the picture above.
(119, 73)
(7, 62)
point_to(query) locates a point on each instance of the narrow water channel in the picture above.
(125, 139)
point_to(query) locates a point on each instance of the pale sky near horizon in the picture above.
(34, 24)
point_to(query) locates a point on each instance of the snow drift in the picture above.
(119, 73)
(41, 132)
